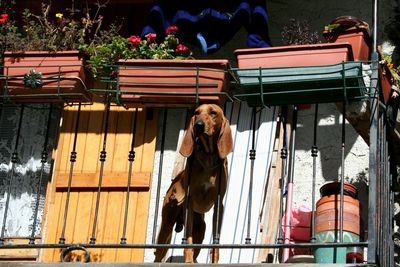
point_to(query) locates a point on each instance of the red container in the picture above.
(62, 76)
(294, 55)
(358, 37)
(173, 82)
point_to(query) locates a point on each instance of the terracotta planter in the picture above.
(177, 83)
(386, 79)
(353, 31)
(293, 56)
(62, 77)
(302, 74)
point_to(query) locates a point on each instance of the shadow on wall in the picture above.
(329, 141)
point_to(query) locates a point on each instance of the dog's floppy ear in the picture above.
(225, 142)
(188, 141)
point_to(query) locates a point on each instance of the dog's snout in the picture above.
(199, 125)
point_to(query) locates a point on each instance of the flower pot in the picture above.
(298, 74)
(293, 55)
(39, 76)
(387, 80)
(176, 83)
(353, 31)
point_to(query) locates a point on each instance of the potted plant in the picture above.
(298, 74)
(351, 30)
(142, 71)
(42, 55)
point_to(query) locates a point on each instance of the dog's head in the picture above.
(209, 129)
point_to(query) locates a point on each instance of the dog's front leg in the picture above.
(188, 252)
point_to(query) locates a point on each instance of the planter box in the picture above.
(359, 38)
(177, 83)
(62, 77)
(294, 55)
(386, 79)
(300, 85)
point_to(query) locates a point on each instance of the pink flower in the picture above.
(3, 18)
(151, 37)
(171, 29)
(135, 40)
(181, 49)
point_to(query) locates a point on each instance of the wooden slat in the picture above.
(111, 180)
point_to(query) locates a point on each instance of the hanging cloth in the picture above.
(209, 24)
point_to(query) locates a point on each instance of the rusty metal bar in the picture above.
(341, 210)
(314, 155)
(131, 159)
(284, 154)
(103, 156)
(39, 184)
(72, 160)
(14, 160)
(159, 175)
(252, 157)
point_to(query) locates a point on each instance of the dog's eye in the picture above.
(213, 113)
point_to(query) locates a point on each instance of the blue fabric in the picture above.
(201, 23)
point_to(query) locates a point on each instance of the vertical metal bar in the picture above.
(14, 160)
(217, 207)
(289, 198)
(131, 159)
(252, 156)
(103, 155)
(284, 154)
(160, 167)
(374, 100)
(187, 198)
(39, 184)
(72, 160)
(342, 173)
(314, 155)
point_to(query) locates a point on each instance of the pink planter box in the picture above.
(294, 55)
(358, 37)
(173, 82)
(62, 76)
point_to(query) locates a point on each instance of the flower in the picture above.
(48, 31)
(386, 49)
(105, 54)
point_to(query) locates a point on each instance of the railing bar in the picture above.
(314, 155)
(14, 160)
(39, 184)
(131, 159)
(252, 157)
(103, 156)
(178, 246)
(160, 168)
(284, 154)
(342, 172)
(72, 160)
(187, 199)
(289, 198)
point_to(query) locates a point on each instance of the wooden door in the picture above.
(85, 180)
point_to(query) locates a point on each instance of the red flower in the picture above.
(3, 18)
(135, 40)
(171, 29)
(151, 37)
(181, 49)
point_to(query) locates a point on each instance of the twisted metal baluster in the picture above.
(38, 191)
(103, 155)
(14, 160)
(159, 176)
(131, 159)
(72, 159)
(252, 159)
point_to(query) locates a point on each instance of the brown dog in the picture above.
(206, 144)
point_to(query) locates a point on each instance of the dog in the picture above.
(201, 184)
